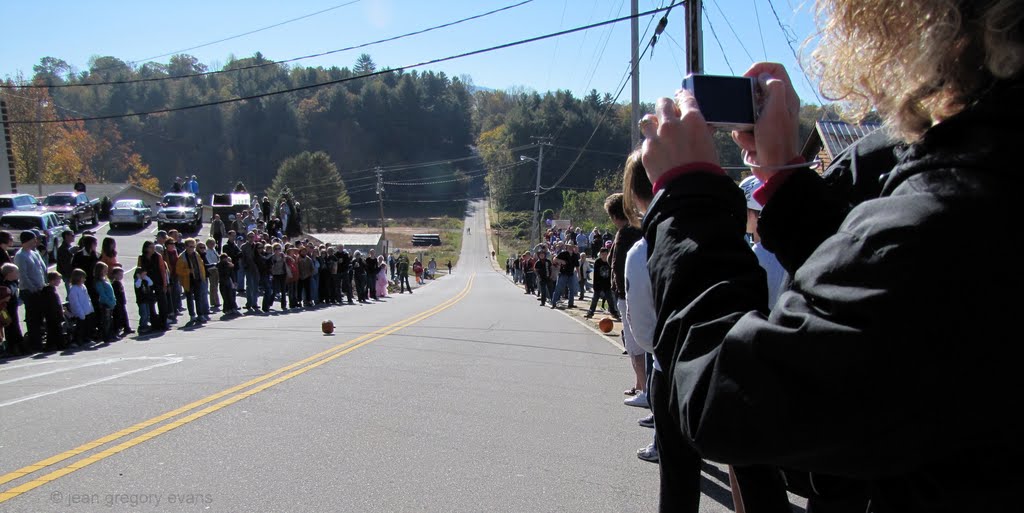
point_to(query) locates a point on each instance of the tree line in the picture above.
(390, 120)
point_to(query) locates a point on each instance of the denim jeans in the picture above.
(144, 310)
(566, 283)
(252, 288)
(204, 298)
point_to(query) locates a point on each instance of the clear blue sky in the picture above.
(76, 31)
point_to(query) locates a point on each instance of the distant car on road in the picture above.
(13, 202)
(75, 208)
(130, 211)
(46, 223)
(180, 210)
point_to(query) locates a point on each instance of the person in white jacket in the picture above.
(81, 309)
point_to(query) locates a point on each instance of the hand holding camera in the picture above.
(761, 109)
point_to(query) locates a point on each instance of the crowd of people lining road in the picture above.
(231, 271)
(843, 336)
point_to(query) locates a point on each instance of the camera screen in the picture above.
(723, 100)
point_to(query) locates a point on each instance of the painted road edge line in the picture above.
(35, 467)
(78, 465)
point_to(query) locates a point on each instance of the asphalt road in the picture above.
(462, 397)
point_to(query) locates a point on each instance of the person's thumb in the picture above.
(773, 93)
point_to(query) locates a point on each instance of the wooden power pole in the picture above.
(694, 37)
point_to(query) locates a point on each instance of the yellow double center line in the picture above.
(282, 374)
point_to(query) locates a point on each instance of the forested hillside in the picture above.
(437, 141)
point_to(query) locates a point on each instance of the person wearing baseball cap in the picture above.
(32, 271)
(776, 274)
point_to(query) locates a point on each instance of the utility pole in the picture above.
(39, 146)
(542, 141)
(694, 37)
(634, 41)
(380, 203)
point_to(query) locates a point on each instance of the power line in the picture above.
(632, 69)
(274, 63)
(789, 42)
(757, 16)
(343, 80)
(715, 35)
(733, 30)
(612, 153)
(250, 32)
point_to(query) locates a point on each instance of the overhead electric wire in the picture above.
(789, 42)
(272, 63)
(757, 16)
(715, 35)
(661, 26)
(349, 79)
(268, 27)
(733, 30)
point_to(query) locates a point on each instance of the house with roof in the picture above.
(114, 191)
(830, 138)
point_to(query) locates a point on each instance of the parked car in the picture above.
(180, 210)
(130, 211)
(12, 202)
(74, 208)
(46, 223)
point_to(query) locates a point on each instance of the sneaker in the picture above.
(649, 453)
(638, 400)
(589, 315)
(647, 422)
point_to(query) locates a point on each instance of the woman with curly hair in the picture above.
(887, 361)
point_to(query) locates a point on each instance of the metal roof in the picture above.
(837, 135)
(350, 239)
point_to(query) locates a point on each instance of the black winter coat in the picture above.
(891, 359)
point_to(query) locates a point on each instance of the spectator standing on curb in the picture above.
(417, 269)
(212, 259)
(144, 298)
(403, 275)
(218, 231)
(191, 272)
(105, 302)
(602, 284)
(32, 271)
(65, 254)
(543, 271)
(877, 335)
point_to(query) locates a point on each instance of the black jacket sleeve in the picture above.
(853, 373)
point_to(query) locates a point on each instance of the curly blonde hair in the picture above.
(916, 61)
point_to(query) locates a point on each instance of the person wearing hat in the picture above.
(770, 264)
(32, 270)
(542, 267)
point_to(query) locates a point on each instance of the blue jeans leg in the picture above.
(252, 288)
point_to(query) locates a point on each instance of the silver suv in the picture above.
(180, 210)
(47, 224)
(13, 202)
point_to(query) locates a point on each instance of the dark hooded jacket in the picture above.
(891, 359)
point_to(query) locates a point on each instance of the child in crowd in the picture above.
(82, 313)
(55, 337)
(121, 326)
(105, 301)
(226, 270)
(145, 298)
(12, 331)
